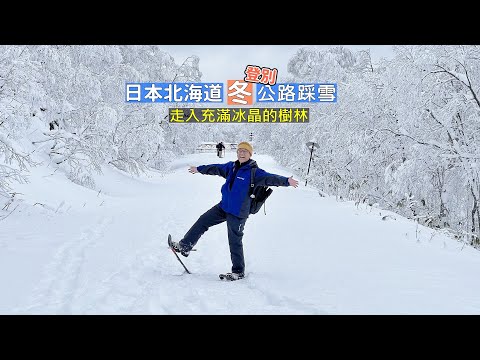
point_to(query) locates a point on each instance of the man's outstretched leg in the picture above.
(212, 217)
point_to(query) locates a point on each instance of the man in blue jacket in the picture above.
(234, 208)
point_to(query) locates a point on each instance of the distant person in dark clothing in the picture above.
(220, 148)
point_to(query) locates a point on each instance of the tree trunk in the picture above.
(475, 238)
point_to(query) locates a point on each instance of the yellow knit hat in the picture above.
(245, 145)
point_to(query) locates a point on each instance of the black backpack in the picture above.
(258, 194)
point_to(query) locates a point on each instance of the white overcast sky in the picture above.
(228, 62)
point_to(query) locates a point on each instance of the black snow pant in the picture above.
(235, 226)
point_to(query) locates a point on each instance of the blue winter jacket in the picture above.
(235, 198)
